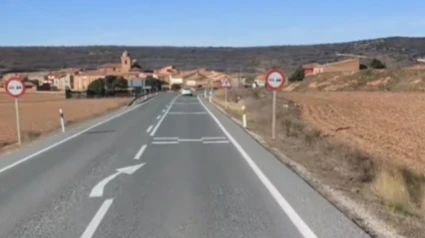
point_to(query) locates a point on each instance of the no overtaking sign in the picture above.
(275, 80)
(15, 87)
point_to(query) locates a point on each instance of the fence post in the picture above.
(62, 119)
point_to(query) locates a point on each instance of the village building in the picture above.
(166, 73)
(260, 80)
(128, 69)
(64, 81)
(350, 65)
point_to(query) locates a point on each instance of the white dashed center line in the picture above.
(149, 129)
(91, 228)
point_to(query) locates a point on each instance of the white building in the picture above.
(64, 82)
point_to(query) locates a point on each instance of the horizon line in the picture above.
(188, 46)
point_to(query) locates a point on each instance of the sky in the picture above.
(235, 23)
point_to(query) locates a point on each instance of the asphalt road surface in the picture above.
(171, 167)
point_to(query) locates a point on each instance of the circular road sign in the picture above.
(15, 87)
(275, 80)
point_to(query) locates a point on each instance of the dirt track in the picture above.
(388, 125)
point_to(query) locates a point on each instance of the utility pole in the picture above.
(240, 76)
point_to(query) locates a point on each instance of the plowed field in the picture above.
(39, 113)
(388, 125)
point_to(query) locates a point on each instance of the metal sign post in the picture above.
(225, 84)
(18, 121)
(225, 97)
(16, 88)
(274, 116)
(275, 80)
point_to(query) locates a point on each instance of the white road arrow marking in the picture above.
(130, 169)
(97, 191)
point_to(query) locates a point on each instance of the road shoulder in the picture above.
(307, 201)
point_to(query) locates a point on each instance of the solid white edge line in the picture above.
(302, 227)
(94, 223)
(163, 117)
(69, 138)
(140, 152)
(149, 129)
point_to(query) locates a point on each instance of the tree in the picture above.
(119, 84)
(97, 87)
(298, 75)
(377, 64)
(109, 83)
(175, 87)
(156, 84)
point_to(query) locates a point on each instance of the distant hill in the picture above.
(394, 51)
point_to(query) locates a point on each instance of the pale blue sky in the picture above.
(205, 23)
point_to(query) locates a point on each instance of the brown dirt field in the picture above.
(39, 113)
(387, 125)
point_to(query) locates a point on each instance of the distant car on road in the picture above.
(186, 92)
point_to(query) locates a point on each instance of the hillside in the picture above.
(395, 51)
(394, 80)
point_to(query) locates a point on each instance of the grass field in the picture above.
(39, 113)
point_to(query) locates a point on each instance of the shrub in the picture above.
(298, 75)
(377, 64)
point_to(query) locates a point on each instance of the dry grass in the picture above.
(390, 186)
(422, 202)
(39, 113)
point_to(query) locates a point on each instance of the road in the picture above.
(171, 167)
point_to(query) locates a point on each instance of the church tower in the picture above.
(125, 62)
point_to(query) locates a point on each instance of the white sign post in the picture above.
(62, 119)
(275, 80)
(243, 116)
(225, 84)
(16, 88)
